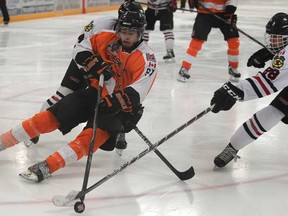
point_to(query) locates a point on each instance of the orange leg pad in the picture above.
(233, 46)
(194, 47)
(43, 122)
(55, 162)
(80, 147)
(81, 144)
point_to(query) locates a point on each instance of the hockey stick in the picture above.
(92, 142)
(233, 26)
(73, 198)
(181, 175)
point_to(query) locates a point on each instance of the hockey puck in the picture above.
(79, 207)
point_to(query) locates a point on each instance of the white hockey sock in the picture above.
(261, 122)
(68, 154)
(146, 35)
(169, 39)
(60, 93)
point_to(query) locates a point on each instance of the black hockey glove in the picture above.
(225, 97)
(231, 18)
(114, 103)
(94, 66)
(259, 58)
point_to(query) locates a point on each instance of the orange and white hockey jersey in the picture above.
(136, 69)
(216, 6)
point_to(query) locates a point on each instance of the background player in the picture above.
(203, 24)
(162, 10)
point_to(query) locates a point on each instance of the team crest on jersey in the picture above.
(278, 61)
(114, 47)
(88, 27)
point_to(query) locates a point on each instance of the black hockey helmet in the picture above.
(130, 5)
(276, 36)
(133, 21)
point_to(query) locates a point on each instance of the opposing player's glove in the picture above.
(225, 97)
(259, 58)
(94, 66)
(193, 4)
(231, 18)
(173, 5)
(115, 102)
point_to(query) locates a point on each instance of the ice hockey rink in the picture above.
(34, 56)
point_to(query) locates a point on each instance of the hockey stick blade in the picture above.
(188, 174)
(68, 200)
(181, 175)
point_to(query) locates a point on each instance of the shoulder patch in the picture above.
(88, 27)
(278, 61)
(150, 57)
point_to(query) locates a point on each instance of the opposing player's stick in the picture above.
(181, 175)
(92, 142)
(74, 197)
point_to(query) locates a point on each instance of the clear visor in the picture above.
(275, 43)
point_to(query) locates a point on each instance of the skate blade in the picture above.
(169, 60)
(30, 176)
(182, 79)
(28, 143)
(233, 79)
(119, 151)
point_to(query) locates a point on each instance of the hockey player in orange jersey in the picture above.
(73, 79)
(129, 67)
(203, 24)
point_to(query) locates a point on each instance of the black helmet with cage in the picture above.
(276, 36)
(130, 5)
(134, 21)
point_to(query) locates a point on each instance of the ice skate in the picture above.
(121, 144)
(32, 141)
(36, 173)
(2, 147)
(183, 75)
(169, 57)
(234, 74)
(226, 156)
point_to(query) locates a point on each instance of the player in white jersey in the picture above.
(73, 79)
(162, 10)
(271, 80)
